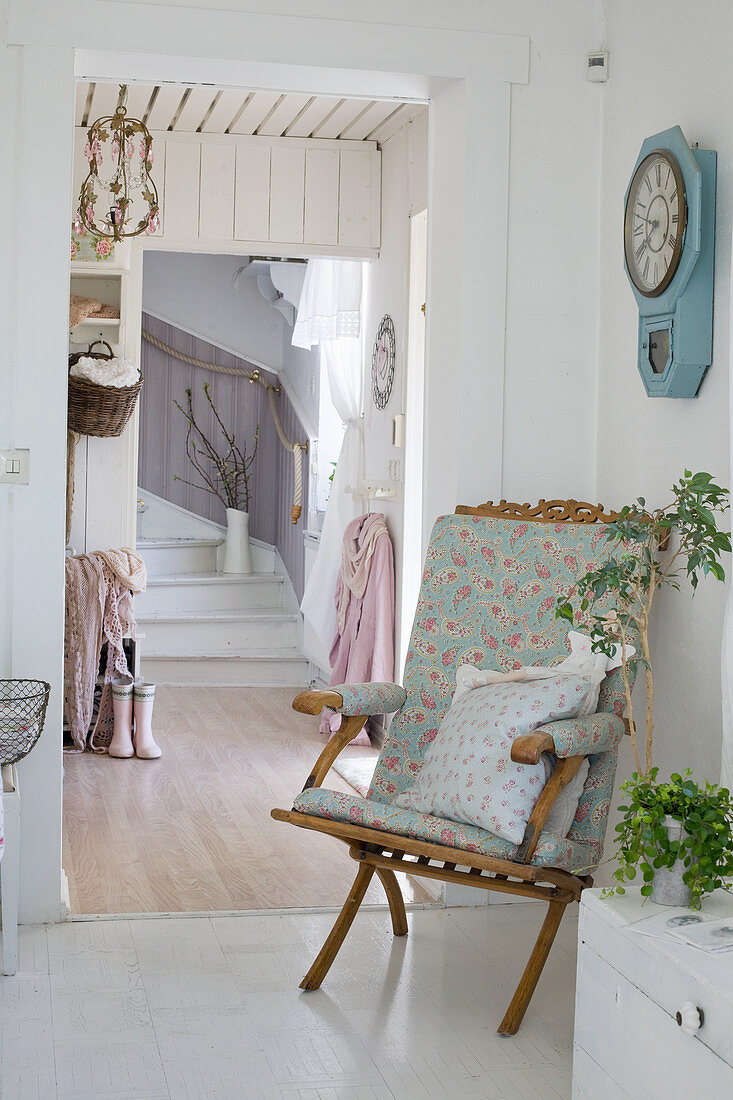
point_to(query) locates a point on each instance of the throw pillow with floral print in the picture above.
(468, 774)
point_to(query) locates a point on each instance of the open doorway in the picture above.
(190, 835)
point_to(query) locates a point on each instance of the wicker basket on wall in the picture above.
(99, 410)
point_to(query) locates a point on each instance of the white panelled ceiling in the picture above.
(204, 109)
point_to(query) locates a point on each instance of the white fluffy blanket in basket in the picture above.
(106, 372)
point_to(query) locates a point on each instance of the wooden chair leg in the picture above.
(528, 982)
(337, 935)
(395, 899)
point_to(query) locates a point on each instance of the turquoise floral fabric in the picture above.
(468, 773)
(376, 698)
(570, 855)
(487, 598)
(586, 736)
(392, 819)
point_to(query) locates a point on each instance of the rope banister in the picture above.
(253, 376)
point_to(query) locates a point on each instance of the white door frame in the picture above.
(465, 75)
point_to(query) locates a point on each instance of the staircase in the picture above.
(203, 628)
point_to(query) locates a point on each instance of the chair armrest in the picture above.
(337, 742)
(570, 737)
(352, 699)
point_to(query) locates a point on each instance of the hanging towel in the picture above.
(363, 649)
(99, 589)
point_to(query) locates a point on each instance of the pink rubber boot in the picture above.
(121, 743)
(145, 746)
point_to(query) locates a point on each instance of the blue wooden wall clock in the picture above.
(669, 240)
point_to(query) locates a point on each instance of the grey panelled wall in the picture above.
(162, 453)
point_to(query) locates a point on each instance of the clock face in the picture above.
(654, 222)
(383, 359)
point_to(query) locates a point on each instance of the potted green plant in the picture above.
(674, 822)
(678, 834)
(224, 471)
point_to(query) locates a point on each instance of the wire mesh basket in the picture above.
(22, 714)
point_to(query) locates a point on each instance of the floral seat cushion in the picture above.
(569, 854)
(334, 806)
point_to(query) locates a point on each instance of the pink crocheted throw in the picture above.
(99, 591)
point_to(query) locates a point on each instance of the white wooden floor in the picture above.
(194, 1008)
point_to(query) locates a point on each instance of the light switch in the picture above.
(15, 467)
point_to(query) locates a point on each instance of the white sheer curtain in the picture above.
(329, 314)
(726, 772)
(726, 777)
(330, 303)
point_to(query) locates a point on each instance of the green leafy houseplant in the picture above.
(705, 846)
(647, 550)
(224, 470)
(644, 564)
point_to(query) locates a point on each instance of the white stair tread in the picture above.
(215, 578)
(285, 655)
(166, 544)
(255, 615)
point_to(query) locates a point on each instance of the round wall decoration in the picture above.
(383, 358)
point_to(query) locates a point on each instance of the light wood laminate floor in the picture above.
(197, 1008)
(192, 832)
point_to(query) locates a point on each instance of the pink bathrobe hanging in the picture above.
(363, 649)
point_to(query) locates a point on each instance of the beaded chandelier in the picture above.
(118, 198)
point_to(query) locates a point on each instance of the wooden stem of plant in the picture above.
(629, 704)
(644, 631)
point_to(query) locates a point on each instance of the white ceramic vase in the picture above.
(237, 551)
(669, 887)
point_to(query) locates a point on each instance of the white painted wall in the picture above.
(470, 189)
(195, 292)
(643, 444)
(404, 174)
(301, 368)
(552, 270)
(35, 84)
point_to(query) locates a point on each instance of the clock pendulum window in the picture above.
(669, 239)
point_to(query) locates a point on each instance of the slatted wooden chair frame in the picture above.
(383, 853)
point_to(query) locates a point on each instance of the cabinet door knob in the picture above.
(690, 1018)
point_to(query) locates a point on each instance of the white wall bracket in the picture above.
(376, 490)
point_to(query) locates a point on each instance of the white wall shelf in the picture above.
(107, 285)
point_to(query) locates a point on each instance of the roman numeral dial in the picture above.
(654, 222)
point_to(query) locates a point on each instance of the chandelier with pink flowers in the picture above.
(118, 198)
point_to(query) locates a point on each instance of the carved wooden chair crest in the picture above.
(491, 579)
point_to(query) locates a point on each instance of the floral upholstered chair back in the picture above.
(488, 595)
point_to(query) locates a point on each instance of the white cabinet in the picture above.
(628, 1042)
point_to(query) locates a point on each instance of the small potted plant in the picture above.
(224, 471)
(680, 836)
(675, 829)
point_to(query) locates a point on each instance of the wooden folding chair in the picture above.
(491, 580)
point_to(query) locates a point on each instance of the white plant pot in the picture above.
(668, 887)
(237, 551)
